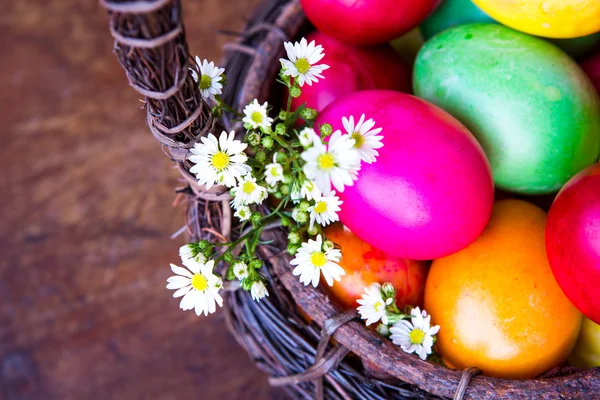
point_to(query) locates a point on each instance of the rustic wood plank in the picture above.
(86, 218)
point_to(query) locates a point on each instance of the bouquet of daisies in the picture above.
(301, 167)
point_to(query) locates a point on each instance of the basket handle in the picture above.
(151, 46)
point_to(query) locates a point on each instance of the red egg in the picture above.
(367, 22)
(430, 191)
(573, 241)
(354, 68)
(591, 66)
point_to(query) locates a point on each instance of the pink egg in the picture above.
(353, 68)
(430, 192)
(573, 241)
(367, 22)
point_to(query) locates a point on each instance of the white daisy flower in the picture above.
(311, 260)
(256, 115)
(336, 163)
(186, 252)
(273, 173)
(365, 137)
(258, 290)
(210, 78)
(415, 336)
(248, 192)
(240, 270)
(302, 61)
(307, 137)
(325, 210)
(309, 190)
(372, 306)
(243, 213)
(219, 162)
(198, 286)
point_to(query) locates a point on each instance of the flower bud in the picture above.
(204, 244)
(383, 330)
(388, 291)
(281, 158)
(267, 142)
(253, 139)
(295, 91)
(260, 156)
(300, 217)
(255, 218)
(314, 230)
(292, 248)
(308, 114)
(280, 129)
(256, 264)
(326, 130)
(328, 245)
(285, 221)
(304, 205)
(294, 237)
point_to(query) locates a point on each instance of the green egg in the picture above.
(459, 12)
(534, 111)
(452, 13)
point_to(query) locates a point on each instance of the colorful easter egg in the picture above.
(531, 107)
(353, 68)
(547, 18)
(460, 12)
(573, 241)
(365, 265)
(453, 13)
(586, 353)
(429, 193)
(497, 303)
(367, 21)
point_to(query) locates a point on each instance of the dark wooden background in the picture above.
(86, 213)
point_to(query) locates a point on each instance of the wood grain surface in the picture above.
(86, 213)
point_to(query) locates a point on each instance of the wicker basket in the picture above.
(150, 44)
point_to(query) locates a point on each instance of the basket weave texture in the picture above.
(150, 44)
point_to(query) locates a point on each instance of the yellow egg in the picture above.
(547, 18)
(586, 353)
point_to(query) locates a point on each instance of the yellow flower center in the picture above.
(205, 82)
(416, 336)
(274, 171)
(199, 282)
(321, 207)
(318, 259)
(326, 161)
(377, 306)
(220, 160)
(257, 117)
(248, 187)
(302, 65)
(359, 140)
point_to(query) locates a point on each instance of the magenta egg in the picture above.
(353, 68)
(430, 192)
(573, 241)
(367, 22)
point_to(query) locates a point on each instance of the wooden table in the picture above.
(86, 214)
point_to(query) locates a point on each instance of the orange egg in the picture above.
(365, 265)
(497, 302)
